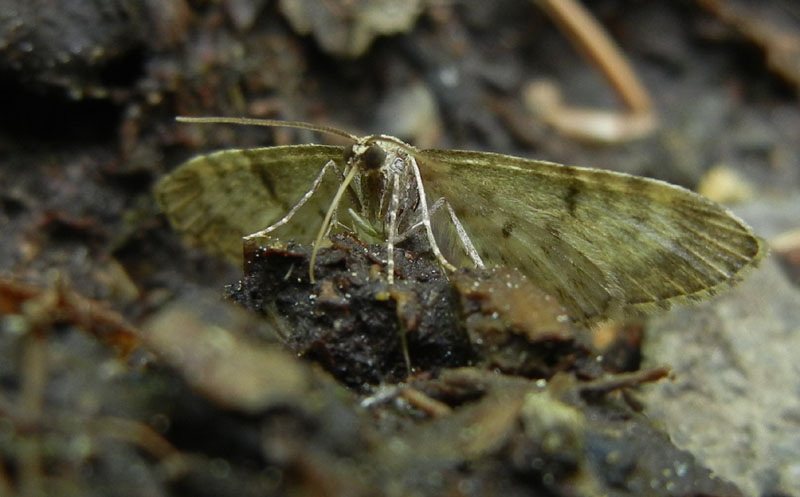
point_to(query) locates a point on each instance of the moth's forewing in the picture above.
(214, 200)
(606, 244)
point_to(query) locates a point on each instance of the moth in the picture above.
(606, 244)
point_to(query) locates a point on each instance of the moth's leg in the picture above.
(363, 223)
(285, 219)
(326, 222)
(336, 169)
(437, 205)
(334, 222)
(466, 242)
(426, 218)
(464, 237)
(410, 231)
(394, 203)
(335, 218)
(394, 206)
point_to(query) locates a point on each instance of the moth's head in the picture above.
(367, 156)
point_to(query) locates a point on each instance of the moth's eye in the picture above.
(373, 157)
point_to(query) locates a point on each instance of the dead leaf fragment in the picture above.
(347, 27)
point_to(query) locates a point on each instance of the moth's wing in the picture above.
(214, 200)
(606, 244)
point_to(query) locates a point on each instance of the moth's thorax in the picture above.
(379, 152)
(382, 164)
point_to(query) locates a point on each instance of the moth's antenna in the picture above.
(328, 215)
(269, 123)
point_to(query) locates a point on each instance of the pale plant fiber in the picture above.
(606, 244)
